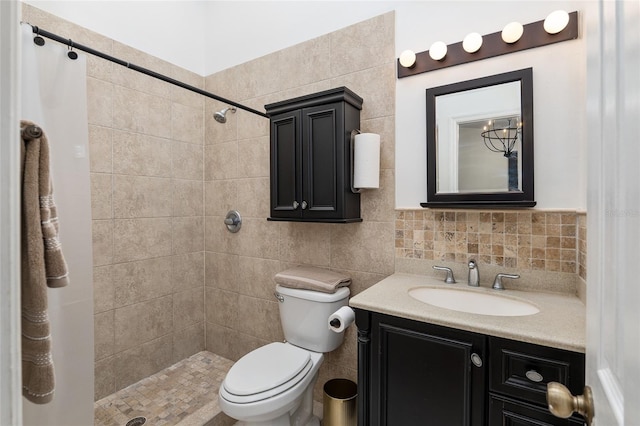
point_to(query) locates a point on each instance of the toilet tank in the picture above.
(305, 317)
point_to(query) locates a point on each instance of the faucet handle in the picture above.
(449, 279)
(497, 283)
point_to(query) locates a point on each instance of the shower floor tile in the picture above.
(186, 392)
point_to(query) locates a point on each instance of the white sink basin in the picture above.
(473, 302)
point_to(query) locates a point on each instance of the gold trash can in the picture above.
(339, 403)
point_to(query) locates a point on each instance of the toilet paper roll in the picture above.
(366, 161)
(341, 319)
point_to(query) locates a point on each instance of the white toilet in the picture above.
(273, 385)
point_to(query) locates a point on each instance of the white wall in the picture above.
(558, 84)
(171, 30)
(206, 37)
(10, 319)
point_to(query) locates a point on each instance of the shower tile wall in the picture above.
(241, 311)
(146, 149)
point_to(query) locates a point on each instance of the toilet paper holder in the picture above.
(341, 319)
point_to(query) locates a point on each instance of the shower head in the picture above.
(221, 116)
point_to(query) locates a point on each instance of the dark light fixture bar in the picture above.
(534, 35)
(74, 45)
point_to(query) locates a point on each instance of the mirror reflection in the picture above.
(478, 140)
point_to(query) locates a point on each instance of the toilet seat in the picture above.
(265, 372)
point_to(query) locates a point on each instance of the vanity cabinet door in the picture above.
(422, 374)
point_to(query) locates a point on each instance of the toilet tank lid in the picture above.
(314, 296)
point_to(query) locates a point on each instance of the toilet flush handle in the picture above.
(278, 296)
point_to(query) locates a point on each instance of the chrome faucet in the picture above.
(449, 279)
(474, 274)
(497, 283)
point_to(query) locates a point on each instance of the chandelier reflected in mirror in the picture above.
(501, 135)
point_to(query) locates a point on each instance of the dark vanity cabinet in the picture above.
(415, 373)
(311, 157)
(518, 377)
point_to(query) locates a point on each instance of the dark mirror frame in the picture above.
(522, 198)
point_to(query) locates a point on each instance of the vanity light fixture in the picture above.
(512, 32)
(438, 51)
(556, 21)
(472, 42)
(515, 37)
(408, 59)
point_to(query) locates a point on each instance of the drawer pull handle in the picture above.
(534, 376)
(476, 360)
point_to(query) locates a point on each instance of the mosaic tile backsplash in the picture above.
(526, 240)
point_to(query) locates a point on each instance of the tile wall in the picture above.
(525, 240)
(146, 149)
(241, 311)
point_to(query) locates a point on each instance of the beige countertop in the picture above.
(559, 324)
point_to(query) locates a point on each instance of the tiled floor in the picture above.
(184, 394)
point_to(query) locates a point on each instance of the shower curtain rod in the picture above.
(73, 45)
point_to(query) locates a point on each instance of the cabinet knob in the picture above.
(563, 404)
(534, 376)
(476, 359)
(295, 205)
(304, 205)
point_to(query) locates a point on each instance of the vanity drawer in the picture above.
(523, 370)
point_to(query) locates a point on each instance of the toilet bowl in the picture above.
(273, 385)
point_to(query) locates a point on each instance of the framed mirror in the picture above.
(480, 142)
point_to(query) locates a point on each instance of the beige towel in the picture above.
(311, 278)
(43, 264)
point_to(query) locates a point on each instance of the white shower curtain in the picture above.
(54, 95)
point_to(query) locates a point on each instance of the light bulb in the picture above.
(438, 50)
(408, 58)
(556, 21)
(512, 32)
(472, 42)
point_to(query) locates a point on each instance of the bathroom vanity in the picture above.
(421, 364)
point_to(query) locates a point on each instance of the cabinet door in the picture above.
(424, 375)
(323, 156)
(286, 157)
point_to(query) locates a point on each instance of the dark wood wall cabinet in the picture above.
(415, 373)
(311, 157)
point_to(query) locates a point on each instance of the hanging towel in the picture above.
(312, 278)
(42, 262)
